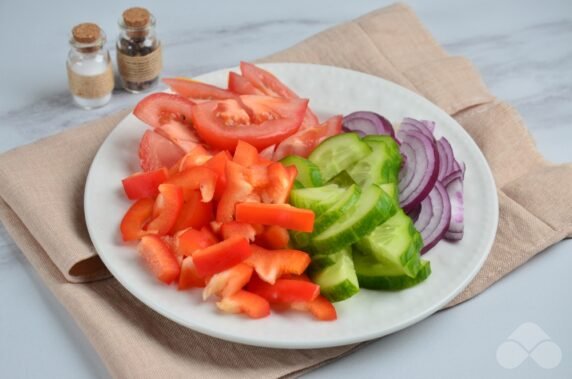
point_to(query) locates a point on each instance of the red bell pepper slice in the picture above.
(135, 219)
(166, 209)
(273, 237)
(218, 165)
(144, 184)
(190, 240)
(234, 228)
(189, 278)
(221, 256)
(245, 154)
(284, 290)
(159, 258)
(282, 215)
(245, 302)
(196, 157)
(280, 182)
(194, 213)
(196, 178)
(228, 282)
(272, 264)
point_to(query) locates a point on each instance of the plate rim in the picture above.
(311, 345)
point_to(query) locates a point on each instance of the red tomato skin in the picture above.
(144, 184)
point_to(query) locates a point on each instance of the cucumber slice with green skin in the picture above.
(378, 276)
(337, 153)
(318, 199)
(297, 185)
(338, 281)
(381, 166)
(395, 243)
(373, 208)
(321, 261)
(343, 179)
(308, 173)
(336, 211)
(393, 192)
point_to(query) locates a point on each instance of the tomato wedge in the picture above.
(284, 290)
(241, 86)
(161, 108)
(304, 141)
(135, 219)
(180, 134)
(273, 237)
(222, 123)
(166, 209)
(270, 85)
(272, 264)
(197, 90)
(228, 282)
(159, 258)
(156, 151)
(144, 184)
(189, 278)
(283, 215)
(221, 256)
(245, 302)
(201, 178)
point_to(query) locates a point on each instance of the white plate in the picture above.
(368, 315)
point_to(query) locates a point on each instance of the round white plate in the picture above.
(368, 315)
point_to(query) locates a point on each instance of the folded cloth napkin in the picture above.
(42, 190)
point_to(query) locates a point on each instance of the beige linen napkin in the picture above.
(42, 190)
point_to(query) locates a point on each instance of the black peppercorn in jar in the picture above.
(138, 51)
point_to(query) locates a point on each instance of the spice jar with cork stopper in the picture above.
(90, 74)
(138, 51)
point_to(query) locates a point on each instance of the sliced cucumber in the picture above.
(337, 210)
(395, 243)
(318, 199)
(382, 165)
(343, 179)
(392, 191)
(337, 280)
(338, 153)
(374, 275)
(308, 173)
(372, 208)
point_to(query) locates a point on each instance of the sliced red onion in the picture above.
(446, 156)
(456, 174)
(414, 213)
(456, 226)
(435, 217)
(429, 125)
(365, 123)
(419, 174)
(410, 125)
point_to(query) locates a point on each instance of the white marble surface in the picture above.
(523, 50)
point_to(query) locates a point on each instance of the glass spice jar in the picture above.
(90, 74)
(138, 51)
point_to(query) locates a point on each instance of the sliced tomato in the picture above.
(196, 157)
(144, 184)
(218, 165)
(228, 282)
(320, 308)
(135, 219)
(223, 123)
(189, 278)
(181, 134)
(161, 108)
(221, 256)
(239, 85)
(194, 212)
(270, 85)
(268, 152)
(187, 241)
(305, 141)
(245, 302)
(238, 188)
(166, 209)
(280, 182)
(234, 228)
(245, 154)
(272, 264)
(283, 215)
(159, 258)
(197, 178)
(197, 90)
(156, 151)
(284, 290)
(273, 237)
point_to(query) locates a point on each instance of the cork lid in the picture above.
(86, 33)
(136, 17)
